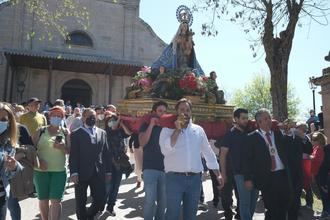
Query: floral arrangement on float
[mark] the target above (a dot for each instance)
(193, 85)
(178, 84)
(142, 79)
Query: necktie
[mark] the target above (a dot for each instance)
(91, 130)
(272, 151)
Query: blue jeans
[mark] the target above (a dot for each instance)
(185, 189)
(14, 208)
(155, 191)
(112, 187)
(247, 198)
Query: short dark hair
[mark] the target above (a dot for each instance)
(183, 100)
(211, 73)
(157, 104)
(239, 111)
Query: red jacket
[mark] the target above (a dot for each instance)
(317, 159)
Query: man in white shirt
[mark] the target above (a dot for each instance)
(182, 148)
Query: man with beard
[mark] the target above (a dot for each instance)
(232, 151)
(182, 148)
(153, 165)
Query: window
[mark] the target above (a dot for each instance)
(79, 39)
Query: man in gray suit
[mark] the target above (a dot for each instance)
(90, 165)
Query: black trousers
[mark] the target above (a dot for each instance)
(97, 188)
(276, 196)
(227, 197)
(3, 208)
(295, 202)
(215, 185)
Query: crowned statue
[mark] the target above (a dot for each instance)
(176, 73)
(180, 53)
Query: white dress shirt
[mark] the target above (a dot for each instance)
(279, 164)
(185, 155)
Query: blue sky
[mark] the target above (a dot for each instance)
(229, 54)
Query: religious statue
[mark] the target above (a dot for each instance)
(184, 46)
(161, 85)
(180, 53)
(214, 89)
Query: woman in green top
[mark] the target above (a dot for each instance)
(50, 175)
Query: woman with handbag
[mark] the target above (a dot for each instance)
(52, 143)
(117, 131)
(8, 164)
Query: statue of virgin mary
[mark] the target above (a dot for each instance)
(180, 53)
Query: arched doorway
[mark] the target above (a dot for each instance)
(77, 90)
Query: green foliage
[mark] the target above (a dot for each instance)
(51, 14)
(256, 95)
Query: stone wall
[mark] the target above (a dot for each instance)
(115, 29)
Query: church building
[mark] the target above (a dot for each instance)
(92, 66)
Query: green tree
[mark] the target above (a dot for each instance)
(256, 95)
(51, 15)
(274, 23)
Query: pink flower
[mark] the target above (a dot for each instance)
(145, 82)
(146, 69)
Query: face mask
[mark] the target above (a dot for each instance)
(19, 114)
(111, 123)
(90, 121)
(3, 126)
(55, 121)
(100, 117)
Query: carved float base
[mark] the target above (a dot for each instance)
(201, 111)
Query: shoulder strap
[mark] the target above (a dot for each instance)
(64, 131)
(41, 131)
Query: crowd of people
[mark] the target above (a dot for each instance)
(42, 149)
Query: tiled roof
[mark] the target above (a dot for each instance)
(64, 55)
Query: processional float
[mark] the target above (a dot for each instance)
(174, 75)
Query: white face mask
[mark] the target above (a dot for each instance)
(111, 123)
(19, 114)
(3, 126)
(100, 117)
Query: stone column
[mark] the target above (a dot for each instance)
(130, 17)
(324, 82)
(325, 92)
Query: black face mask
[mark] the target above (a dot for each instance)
(90, 121)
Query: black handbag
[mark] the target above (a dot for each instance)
(124, 165)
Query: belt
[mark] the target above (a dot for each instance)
(279, 172)
(185, 173)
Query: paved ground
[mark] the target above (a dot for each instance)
(130, 204)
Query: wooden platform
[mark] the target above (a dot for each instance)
(201, 111)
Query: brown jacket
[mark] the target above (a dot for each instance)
(22, 184)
